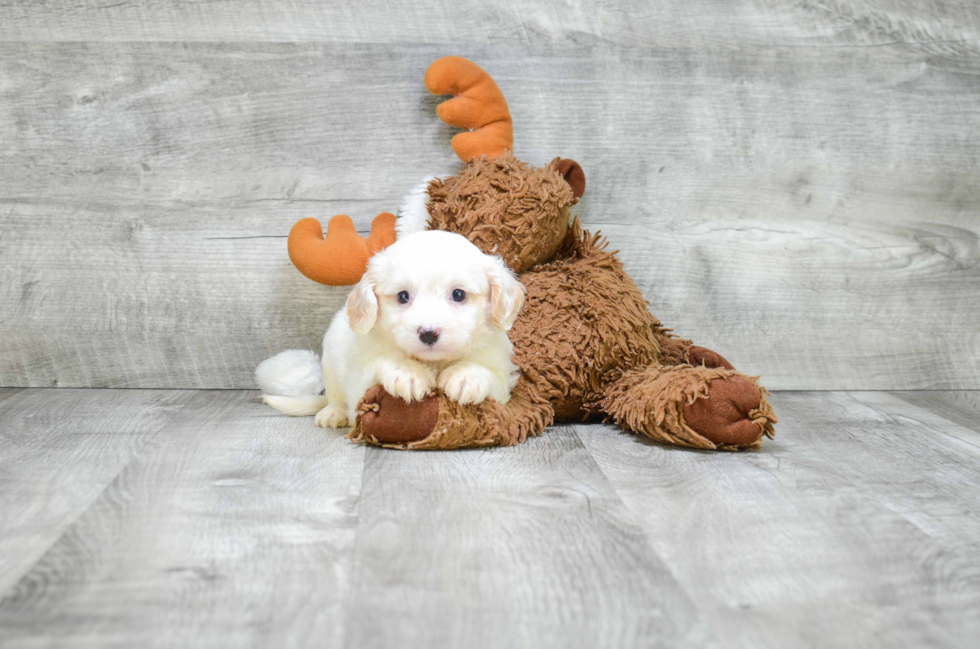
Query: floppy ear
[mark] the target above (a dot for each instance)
(506, 294)
(362, 305)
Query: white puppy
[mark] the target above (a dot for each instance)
(430, 310)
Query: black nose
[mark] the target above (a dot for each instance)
(428, 336)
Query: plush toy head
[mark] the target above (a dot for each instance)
(504, 206)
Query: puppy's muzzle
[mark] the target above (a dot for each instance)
(429, 336)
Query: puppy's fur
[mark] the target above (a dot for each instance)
(404, 327)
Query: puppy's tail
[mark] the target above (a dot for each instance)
(296, 406)
(291, 382)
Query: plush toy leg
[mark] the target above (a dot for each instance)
(438, 423)
(680, 351)
(702, 407)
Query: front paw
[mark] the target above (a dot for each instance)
(409, 384)
(466, 384)
(331, 417)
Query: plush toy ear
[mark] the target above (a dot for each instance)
(506, 294)
(478, 105)
(340, 258)
(362, 305)
(572, 172)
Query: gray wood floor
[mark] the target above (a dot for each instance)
(137, 518)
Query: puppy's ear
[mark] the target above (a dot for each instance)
(362, 305)
(506, 294)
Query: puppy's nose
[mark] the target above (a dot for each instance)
(429, 336)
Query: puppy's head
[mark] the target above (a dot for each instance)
(435, 295)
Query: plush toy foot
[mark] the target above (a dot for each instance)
(437, 422)
(688, 405)
(704, 356)
(386, 419)
(730, 414)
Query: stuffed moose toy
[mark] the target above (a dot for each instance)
(585, 342)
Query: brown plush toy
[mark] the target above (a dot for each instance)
(585, 341)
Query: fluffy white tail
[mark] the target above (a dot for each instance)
(296, 406)
(291, 382)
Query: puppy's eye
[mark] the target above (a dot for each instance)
(403, 297)
(459, 295)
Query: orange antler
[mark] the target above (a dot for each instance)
(340, 258)
(478, 105)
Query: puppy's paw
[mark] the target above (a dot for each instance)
(409, 384)
(332, 417)
(466, 383)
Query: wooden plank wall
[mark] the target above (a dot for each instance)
(794, 184)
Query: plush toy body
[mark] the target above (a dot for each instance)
(585, 341)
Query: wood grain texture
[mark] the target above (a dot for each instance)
(58, 450)
(794, 186)
(519, 547)
(232, 527)
(962, 407)
(857, 526)
(946, 23)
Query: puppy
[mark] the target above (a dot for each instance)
(431, 310)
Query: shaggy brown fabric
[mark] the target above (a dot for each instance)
(650, 401)
(673, 350)
(582, 306)
(585, 340)
(660, 402)
(505, 207)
